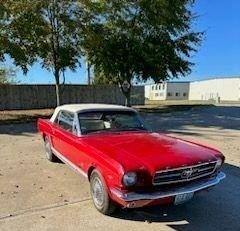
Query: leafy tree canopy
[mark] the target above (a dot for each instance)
(46, 31)
(7, 76)
(144, 39)
(101, 79)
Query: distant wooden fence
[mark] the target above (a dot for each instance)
(43, 96)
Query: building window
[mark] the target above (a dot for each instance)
(156, 94)
(177, 94)
(152, 87)
(163, 86)
(161, 94)
(156, 87)
(184, 94)
(169, 94)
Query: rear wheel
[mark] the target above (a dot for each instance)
(99, 193)
(48, 149)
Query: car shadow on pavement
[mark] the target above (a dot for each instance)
(215, 209)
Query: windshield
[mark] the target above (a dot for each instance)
(100, 121)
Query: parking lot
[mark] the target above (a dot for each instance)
(38, 195)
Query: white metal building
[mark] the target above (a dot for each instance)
(167, 91)
(222, 89)
(218, 89)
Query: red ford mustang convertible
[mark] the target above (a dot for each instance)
(126, 164)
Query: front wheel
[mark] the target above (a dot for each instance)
(99, 193)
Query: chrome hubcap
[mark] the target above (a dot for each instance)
(97, 192)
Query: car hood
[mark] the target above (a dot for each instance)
(153, 151)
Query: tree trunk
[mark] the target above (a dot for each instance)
(89, 73)
(57, 87)
(57, 94)
(128, 98)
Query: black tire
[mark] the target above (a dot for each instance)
(49, 154)
(99, 193)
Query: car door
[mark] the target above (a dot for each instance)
(63, 140)
(67, 142)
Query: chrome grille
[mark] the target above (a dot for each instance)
(184, 174)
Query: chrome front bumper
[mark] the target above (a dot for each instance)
(189, 188)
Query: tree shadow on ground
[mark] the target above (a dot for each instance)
(215, 209)
(25, 129)
(220, 117)
(177, 120)
(24, 116)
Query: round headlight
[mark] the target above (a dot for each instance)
(219, 163)
(130, 179)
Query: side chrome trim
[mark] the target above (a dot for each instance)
(69, 163)
(190, 188)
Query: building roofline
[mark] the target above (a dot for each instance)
(201, 80)
(179, 82)
(167, 82)
(216, 78)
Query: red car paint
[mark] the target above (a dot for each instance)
(116, 153)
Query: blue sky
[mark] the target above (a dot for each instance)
(219, 55)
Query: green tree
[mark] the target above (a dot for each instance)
(144, 39)
(7, 76)
(101, 79)
(46, 31)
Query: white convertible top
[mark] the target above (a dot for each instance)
(76, 108)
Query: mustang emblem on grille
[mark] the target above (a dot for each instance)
(186, 173)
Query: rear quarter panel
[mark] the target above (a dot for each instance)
(44, 127)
